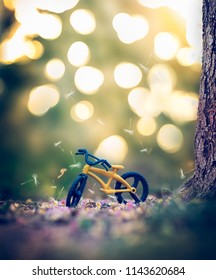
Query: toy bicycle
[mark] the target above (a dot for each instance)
(123, 186)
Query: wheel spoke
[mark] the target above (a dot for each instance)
(136, 181)
(135, 197)
(76, 191)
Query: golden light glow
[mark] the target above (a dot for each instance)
(152, 3)
(191, 12)
(130, 28)
(161, 79)
(83, 21)
(170, 138)
(179, 6)
(56, 6)
(114, 149)
(143, 103)
(78, 53)
(166, 45)
(42, 98)
(13, 49)
(82, 111)
(120, 20)
(182, 106)
(182, 7)
(54, 69)
(49, 27)
(127, 75)
(26, 12)
(33, 22)
(34, 49)
(137, 99)
(9, 4)
(194, 27)
(146, 126)
(187, 56)
(88, 79)
(17, 48)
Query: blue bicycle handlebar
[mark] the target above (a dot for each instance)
(81, 152)
(103, 162)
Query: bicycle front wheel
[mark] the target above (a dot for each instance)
(75, 192)
(136, 181)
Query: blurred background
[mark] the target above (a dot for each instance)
(119, 78)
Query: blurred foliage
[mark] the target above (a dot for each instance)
(28, 141)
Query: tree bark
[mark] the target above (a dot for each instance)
(203, 182)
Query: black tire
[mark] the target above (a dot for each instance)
(75, 192)
(137, 181)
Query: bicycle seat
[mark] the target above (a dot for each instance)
(117, 166)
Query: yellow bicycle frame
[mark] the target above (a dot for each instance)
(112, 175)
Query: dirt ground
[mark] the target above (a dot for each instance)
(156, 229)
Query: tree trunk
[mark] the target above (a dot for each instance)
(203, 183)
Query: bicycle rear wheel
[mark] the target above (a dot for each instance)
(76, 190)
(137, 181)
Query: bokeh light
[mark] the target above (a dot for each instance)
(49, 27)
(114, 148)
(170, 138)
(130, 28)
(83, 21)
(88, 79)
(24, 49)
(82, 111)
(78, 54)
(9, 4)
(27, 15)
(137, 99)
(56, 6)
(161, 79)
(9, 54)
(191, 12)
(194, 31)
(179, 6)
(146, 126)
(118, 72)
(54, 69)
(33, 22)
(187, 56)
(127, 75)
(43, 98)
(152, 3)
(166, 45)
(34, 49)
(143, 102)
(182, 106)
